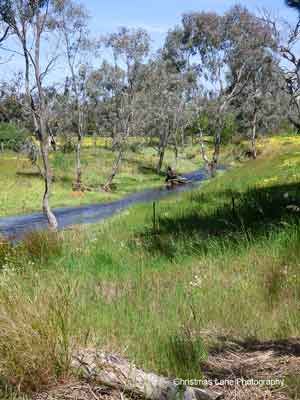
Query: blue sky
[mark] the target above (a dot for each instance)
(157, 16)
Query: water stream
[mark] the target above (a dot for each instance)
(15, 227)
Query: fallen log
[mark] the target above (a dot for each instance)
(176, 181)
(117, 373)
(79, 187)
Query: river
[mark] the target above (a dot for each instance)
(15, 227)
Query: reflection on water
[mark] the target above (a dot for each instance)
(15, 227)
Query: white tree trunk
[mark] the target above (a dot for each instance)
(203, 151)
(253, 135)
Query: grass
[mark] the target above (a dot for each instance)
(34, 343)
(224, 261)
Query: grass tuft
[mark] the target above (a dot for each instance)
(42, 245)
(35, 334)
(185, 353)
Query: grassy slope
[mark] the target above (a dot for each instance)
(163, 297)
(22, 188)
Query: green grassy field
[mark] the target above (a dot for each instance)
(222, 261)
(22, 187)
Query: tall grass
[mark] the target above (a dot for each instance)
(42, 245)
(36, 336)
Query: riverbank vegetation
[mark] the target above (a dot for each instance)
(22, 184)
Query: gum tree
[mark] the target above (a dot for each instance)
(130, 48)
(105, 87)
(222, 47)
(31, 23)
(72, 24)
(262, 105)
(166, 107)
(289, 39)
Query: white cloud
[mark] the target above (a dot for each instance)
(151, 28)
(154, 28)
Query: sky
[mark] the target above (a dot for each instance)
(156, 16)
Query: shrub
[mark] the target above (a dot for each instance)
(190, 155)
(61, 162)
(159, 243)
(12, 137)
(135, 147)
(229, 128)
(67, 144)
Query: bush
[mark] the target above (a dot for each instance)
(12, 137)
(206, 122)
(190, 155)
(229, 128)
(135, 147)
(61, 162)
(67, 144)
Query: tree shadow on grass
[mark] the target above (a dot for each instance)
(280, 347)
(64, 179)
(36, 174)
(149, 170)
(29, 174)
(144, 167)
(243, 216)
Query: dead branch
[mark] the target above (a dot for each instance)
(117, 373)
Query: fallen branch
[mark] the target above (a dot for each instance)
(117, 373)
(79, 187)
